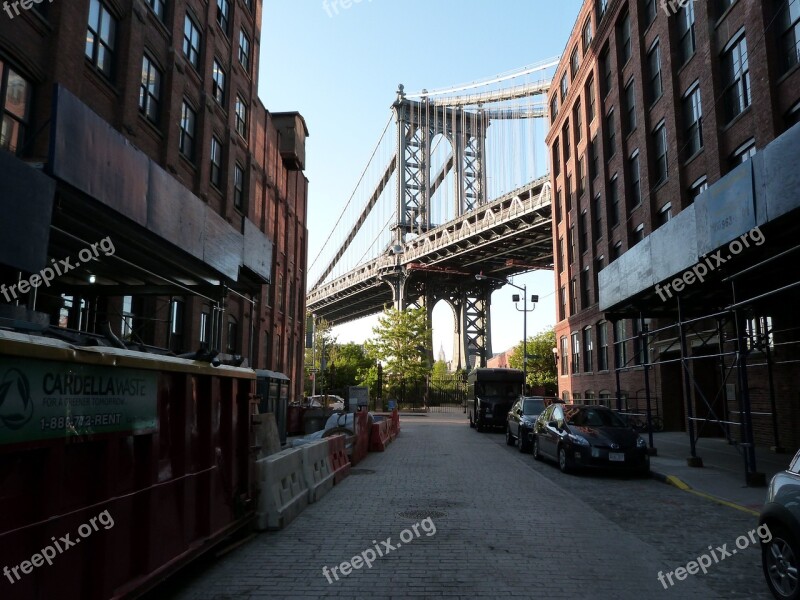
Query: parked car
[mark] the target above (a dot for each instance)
(780, 553)
(521, 417)
(588, 436)
(490, 395)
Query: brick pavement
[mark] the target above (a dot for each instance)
(506, 526)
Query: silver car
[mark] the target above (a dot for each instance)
(780, 554)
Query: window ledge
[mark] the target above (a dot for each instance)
(693, 156)
(736, 119)
(788, 74)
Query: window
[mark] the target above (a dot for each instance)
(176, 325)
(281, 301)
(560, 254)
(158, 7)
(602, 5)
(583, 233)
(598, 218)
(649, 12)
(587, 351)
(638, 234)
(630, 107)
(187, 128)
(693, 121)
(613, 202)
(736, 78)
(564, 356)
(792, 117)
(636, 183)
(556, 158)
(624, 29)
(697, 188)
(581, 177)
(602, 344)
(616, 251)
(233, 331)
(686, 39)
(558, 206)
(586, 292)
(126, 328)
(191, 41)
(789, 36)
(216, 161)
(565, 138)
(218, 83)
(568, 191)
(605, 66)
(241, 117)
(223, 14)
(238, 186)
(149, 90)
(244, 50)
(15, 93)
(578, 120)
(101, 37)
(620, 350)
(723, 6)
(639, 343)
(562, 303)
(660, 146)
(571, 244)
(655, 88)
(553, 108)
(759, 333)
(593, 158)
(564, 87)
(611, 135)
(598, 266)
(576, 353)
(573, 296)
(574, 62)
(590, 99)
(587, 34)
(743, 153)
(664, 214)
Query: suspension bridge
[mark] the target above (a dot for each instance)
(456, 186)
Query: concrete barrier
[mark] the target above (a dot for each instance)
(380, 436)
(317, 469)
(340, 463)
(283, 490)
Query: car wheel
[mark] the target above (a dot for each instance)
(536, 454)
(523, 447)
(471, 422)
(509, 438)
(478, 425)
(780, 557)
(563, 463)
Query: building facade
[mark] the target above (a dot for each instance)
(139, 121)
(652, 104)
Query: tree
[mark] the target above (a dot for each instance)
(319, 356)
(402, 343)
(352, 365)
(541, 364)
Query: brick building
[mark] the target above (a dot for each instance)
(140, 121)
(655, 114)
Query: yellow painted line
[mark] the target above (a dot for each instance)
(681, 485)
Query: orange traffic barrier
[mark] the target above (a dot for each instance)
(361, 444)
(340, 464)
(381, 436)
(395, 423)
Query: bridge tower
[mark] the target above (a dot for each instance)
(418, 123)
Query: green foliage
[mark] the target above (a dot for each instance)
(440, 369)
(541, 365)
(402, 343)
(349, 364)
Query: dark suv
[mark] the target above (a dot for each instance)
(780, 554)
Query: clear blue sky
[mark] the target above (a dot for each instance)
(341, 72)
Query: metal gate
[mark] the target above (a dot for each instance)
(447, 393)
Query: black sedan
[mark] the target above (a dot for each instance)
(588, 436)
(779, 530)
(521, 417)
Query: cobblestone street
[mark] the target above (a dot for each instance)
(505, 526)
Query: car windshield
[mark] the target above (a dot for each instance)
(532, 407)
(593, 417)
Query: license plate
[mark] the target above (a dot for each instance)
(595, 453)
(616, 456)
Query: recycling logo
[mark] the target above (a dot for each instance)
(16, 406)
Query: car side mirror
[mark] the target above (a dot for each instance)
(553, 424)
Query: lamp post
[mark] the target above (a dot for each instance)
(524, 311)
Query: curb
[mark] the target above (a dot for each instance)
(682, 485)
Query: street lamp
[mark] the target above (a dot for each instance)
(524, 310)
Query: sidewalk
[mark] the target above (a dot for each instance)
(722, 475)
